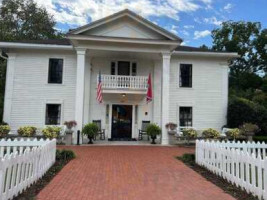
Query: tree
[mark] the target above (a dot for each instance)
(245, 38)
(23, 20)
(204, 47)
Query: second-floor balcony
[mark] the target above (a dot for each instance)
(124, 83)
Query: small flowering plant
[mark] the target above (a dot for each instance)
(189, 133)
(171, 126)
(70, 124)
(233, 133)
(27, 131)
(4, 130)
(51, 132)
(211, 133)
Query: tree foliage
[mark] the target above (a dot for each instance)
(23, 20)
(245, 38)
(241, 111)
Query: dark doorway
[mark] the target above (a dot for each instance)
(121, 122)
(124, 68)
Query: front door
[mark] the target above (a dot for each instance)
(121, 122)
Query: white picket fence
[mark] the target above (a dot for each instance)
(23, 162)
(243, 164)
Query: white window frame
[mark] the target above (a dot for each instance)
(63, 70)
(123, 60)
(55, 101)
(179, 69)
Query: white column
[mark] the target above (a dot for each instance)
(165, 96)
(87, 88)
(79, 100)
(9, 87)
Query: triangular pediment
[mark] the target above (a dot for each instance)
(125, 24)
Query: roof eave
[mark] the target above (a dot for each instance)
(10, 45)
(209, 54)
(123, 40)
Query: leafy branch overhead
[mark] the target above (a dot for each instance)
(25, 20)
(246, 38)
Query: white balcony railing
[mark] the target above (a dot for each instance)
(124, 82)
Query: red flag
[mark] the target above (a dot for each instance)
(149, 90)
(99, 89)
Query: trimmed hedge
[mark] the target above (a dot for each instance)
(241, 111)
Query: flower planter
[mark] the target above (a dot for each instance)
(90, 140)
(153, 139)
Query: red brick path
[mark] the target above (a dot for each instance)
(129, 173)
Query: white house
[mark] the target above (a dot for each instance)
(52, 81)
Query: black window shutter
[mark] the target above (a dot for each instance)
(113, 68)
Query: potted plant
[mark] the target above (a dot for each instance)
(4, 130)
(171, 128)
(27, 131)
(189, 134)
(153, 130)
(69, 126)
(211, 133)
(90, 130)
(233, 133)
(249, 130)
(51, 132)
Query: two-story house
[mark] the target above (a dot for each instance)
(52, 81)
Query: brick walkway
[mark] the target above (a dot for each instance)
(129, 173)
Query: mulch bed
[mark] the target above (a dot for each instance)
(32, 192)
(229, 188)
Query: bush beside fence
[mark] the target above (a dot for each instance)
(242, 164)
(22, 163)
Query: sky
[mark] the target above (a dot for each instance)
(192, 20)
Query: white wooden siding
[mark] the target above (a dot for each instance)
(208, 95)
(31, 91)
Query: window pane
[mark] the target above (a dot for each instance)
(134, 69)
(53, 112)
(55, 70)
(185, 116)
(185, 75)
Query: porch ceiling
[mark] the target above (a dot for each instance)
(120, 98)
(124, 54)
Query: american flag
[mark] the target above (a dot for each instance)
(99, 90)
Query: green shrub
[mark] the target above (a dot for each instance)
(4, 130)
(190, 133)
(211, 133)
(90, 130)
(233, 133)
(27, 131)
(51, 132)
(188, 158)
(153, 130)
(242, 111)
(65, 155)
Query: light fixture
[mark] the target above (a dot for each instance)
(123, 95)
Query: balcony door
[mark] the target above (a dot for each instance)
(124, 68)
